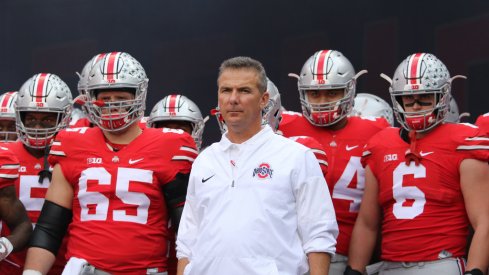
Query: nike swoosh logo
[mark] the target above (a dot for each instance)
(204, 180)
(425, 153)
(348, 148)
(135, 161)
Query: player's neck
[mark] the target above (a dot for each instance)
(37, 153)
(338, 125)
(125, 136)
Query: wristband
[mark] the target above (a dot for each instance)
(350, 271)
(474, 271)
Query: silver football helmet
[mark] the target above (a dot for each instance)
(7, 113)
(180, 108)
(83, 79)
(326, 70)
(42, 93)
(369, 105)
(272, 113)
(421, 73)
(116, 70)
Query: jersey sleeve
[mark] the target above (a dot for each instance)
(60, 150)
(472, 143)
(483, 123)
(182, 152)
(9, 168)
(316, 148)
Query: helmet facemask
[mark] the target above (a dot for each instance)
(329, 113)
(116, 116)
(39, 138)
(422, 120)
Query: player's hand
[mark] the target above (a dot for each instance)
(5, 248)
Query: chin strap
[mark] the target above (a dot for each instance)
(45, 172)
(411, 153)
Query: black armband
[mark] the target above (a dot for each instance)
(176, 190)
(474, 271)
(51, 227)
(175, 193)
(350, 271)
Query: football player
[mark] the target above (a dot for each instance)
(12, 212)
(370, 105)
(43, 107)
(327, 89)
(425, 182)
(116, 183)
(178, 112)
(7, 117)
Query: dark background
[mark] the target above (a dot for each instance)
(181, 43)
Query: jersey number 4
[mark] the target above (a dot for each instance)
(343, 189)
(101, 202)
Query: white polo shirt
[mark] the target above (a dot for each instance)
(256, 208)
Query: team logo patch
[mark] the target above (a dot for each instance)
(263, 171)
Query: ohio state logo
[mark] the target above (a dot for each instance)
(263, 171)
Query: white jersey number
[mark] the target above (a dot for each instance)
(100, 203)
(403, 193)
(342, 190)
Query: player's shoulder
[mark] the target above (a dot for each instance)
(77, 133)
(456, 132)
(289, 117)
(369, 123)
(165, 135)
(308, 141)
(385, 137)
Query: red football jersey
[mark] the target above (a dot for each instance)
(120, 218)
(317, 149)
(31, 193)
(483, 123)
(85, 122)
(9, 167)
(346, 176)
(423, 207)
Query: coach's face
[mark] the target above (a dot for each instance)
(240, 100)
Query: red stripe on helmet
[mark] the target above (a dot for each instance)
(111, 62)
(414, 68)
(41, 79)
(320, 68)
(6, 99)
(172, 104)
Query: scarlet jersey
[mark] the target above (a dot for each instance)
(423, 207)
(31, 193)
(317, 149)
(85, 122)
(120, 217)
(346, 176)
(9, 167)
(483, 123)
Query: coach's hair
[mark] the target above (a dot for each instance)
(244, 62)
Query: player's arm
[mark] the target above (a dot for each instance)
(474, 180)
(364, 233)
(175, 193)
(52, 224)
(12, 212)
